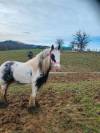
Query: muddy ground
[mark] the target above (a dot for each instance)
(50, 116)
(17, 118)
(73, 77)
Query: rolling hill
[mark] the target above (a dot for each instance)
(13, 45)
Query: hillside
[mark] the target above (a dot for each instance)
(13, 45)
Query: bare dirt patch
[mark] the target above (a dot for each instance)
(47, 118)
(74, 77)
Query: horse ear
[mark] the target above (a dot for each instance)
(52, 47)
(59, 47)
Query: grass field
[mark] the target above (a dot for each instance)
(70, 61)
(19, 55)
(81, 62)
(69, 103)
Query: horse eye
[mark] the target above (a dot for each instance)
(53, 57)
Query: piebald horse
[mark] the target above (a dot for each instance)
(34, 71)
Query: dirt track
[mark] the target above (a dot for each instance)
(16, 118)
(73, 76)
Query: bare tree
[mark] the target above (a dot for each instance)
(60, 42)
(80, 41)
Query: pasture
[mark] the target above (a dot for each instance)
(69, 103)
(70, 61)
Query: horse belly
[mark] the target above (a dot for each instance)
(23, 74)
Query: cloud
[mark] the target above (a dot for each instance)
(42, 21)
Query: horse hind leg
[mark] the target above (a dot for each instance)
(3, 93)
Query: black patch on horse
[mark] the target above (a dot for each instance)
(42, 79)
(53, 57)
(8, 74)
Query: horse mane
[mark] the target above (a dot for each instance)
(44, 63)
(41, 61)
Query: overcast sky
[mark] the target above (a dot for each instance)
(43, 21)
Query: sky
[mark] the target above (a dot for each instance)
(44, 21)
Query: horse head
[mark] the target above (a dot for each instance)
(55, 57)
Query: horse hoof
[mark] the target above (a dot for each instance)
(37, 104)
(32, 109)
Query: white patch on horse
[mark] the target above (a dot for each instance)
(22, 73)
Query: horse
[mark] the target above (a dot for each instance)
(34, 71)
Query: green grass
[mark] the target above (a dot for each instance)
(18, 55)
(70, 61)
(81, 62)
(80, 111)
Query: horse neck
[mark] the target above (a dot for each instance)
(45, 65)
(41, 62)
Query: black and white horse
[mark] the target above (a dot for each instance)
(34, 71)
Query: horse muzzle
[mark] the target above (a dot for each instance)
(56, 67)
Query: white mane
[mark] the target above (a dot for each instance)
(43, 54)
(44, 60)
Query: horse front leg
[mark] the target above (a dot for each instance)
(3, 93)
(32, 100)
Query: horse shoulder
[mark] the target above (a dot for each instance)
(33, 63)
